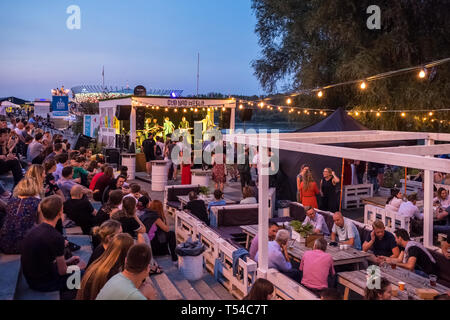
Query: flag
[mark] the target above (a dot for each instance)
(103, 71)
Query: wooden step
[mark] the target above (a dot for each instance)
(9, 275)
(219, 289)
(187, 290)
(205, 291)
(23, 292)
(168, 289)
(85, 243)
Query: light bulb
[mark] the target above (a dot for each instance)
(320, 94)
(289, 101)
(422, 74)
(363, 85)
(403, 114)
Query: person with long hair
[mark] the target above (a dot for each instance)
(129, 220)
(309, 190)
(161, 237)
(37, 172)
(105, 212)
(383, 293)
(261, 290)
(395, 200)
(329, 200)
(50, 186)
(21, 215)
(105, 233)
(219, 171)
(110, 263)
(442, 198)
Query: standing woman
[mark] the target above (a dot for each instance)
(219, 173)
(309, 190)
(186, 176)
(328, 190)
(300, 175)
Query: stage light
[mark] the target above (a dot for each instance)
(173, 94)
(261, 104)
(320, 94)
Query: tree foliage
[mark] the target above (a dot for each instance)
(312, 43)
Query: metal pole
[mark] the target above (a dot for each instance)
(198, 72)
(428, 204)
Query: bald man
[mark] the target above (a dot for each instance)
(346, 231)
(79, 209)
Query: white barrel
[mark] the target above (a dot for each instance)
(129, 160)
(159, 175)
(201, 177)
(191, 267)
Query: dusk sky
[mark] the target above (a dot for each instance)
(148, 42)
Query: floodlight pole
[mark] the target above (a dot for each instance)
(428, 203)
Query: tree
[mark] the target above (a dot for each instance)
(312, 43)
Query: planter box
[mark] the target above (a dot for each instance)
(201, 177)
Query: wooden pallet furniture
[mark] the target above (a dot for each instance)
(353, 194)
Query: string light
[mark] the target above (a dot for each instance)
(430, 114)
(356, 113)
(320, 94)
(224, 109)
(363, 85)
(403, 114)
(422, 74)
(184, 110)
(240, 107)
(175, 110)
(378, 114)
(167, 109)
(289, 101)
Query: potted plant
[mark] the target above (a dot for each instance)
(204, 190)
(303, 230)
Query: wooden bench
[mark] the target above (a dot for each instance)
(186, 226)
(288, 289)
(171, 203)
(352, 197)
(210, 240)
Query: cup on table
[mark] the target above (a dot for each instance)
(393, 266)
(433, 280)
(401, 286)
(346, 246)
(342, 247)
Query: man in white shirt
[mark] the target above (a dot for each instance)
(317, 220)
(346, 231)
(133, 283)
(409, 208)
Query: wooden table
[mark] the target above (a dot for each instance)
(357, 282)
(185, 199)
(376, 201)
(297, 249)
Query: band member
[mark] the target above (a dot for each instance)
(184, 124)
(168, 127)
(207, 123)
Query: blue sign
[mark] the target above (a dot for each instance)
(87, 125)
(60, 106)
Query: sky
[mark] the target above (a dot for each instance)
(140, 42)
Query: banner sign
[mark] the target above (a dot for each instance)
(60, 106)
(91, 125)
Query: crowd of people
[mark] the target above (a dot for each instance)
(55, 187)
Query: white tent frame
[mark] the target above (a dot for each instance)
(419, 157)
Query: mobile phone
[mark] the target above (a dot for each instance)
(333, 244)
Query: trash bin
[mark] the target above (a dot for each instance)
(190, 259)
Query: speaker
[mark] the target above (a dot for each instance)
(246, 115)
(112, 155)
(123, 112)
(83, 141)
(140, 118)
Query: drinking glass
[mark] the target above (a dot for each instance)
(433, 279)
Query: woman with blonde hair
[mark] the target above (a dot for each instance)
(309, 190)
(21, 215)
(329, 201)
(105, 233)
(37, 172)
(109, 264)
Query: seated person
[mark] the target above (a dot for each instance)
(79, 171)
(445, 246)
(135, 190)
(442, 198)
(65, 183)
(413, 256)
(278, 255)
(261, 290)
(197, 207)
(131, 224)
(43, 262)
(384, 292)
(395, 200)
(249, 197)
(346, 231)
(381, 242)
(443, 215)
(317, 220)
(105, 233)
(79, 209)
(218, 201)
(317, 265)
(8, 161)
(409, 208)
(133, 283)
(273, 229)
(115, 184)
